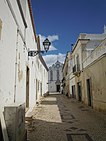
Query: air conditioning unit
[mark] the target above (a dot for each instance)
(14, 116)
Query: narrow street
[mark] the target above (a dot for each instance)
(58, 118)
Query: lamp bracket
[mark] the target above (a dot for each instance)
(34, 53)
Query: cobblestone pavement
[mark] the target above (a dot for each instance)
(58, 118)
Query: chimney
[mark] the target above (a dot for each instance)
(104, 29)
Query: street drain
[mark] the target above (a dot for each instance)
(78, 137)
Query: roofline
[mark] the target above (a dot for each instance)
(65, 60)
(43, 62)
(37, 39)
(55, 63)
(32, 18)
(77, 43)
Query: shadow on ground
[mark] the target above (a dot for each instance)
(39, 130)
(78, 122)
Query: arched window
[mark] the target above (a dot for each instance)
(58, 74)
(51, 75)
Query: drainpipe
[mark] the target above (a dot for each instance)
(23, 39)
(16, 67)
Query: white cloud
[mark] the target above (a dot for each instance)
(51, 39)
(52, 58)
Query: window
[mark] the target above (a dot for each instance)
(51, 75)
(0, 28)
(57, 65)
(77, 63)
(57, 74)
(38, 85)
(77, 59)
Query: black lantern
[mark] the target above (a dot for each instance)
(46, 45)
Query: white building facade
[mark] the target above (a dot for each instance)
(68, 77)
(94, 78)
(55, 77)
(87, 74)
(21, 78)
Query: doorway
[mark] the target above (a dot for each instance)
(58, 88)
(36, 89)
(41, 89)
(73, 91)
(27, 87)
(79, 91)
(88, 81)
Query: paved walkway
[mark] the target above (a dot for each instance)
(58, 118)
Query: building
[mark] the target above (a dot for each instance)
(94, 78)
(68, 77)
(67, 69)
(55, 77)
(86, 76)
(22, 78)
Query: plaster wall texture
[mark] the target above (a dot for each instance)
(12, 113)
(96, 72)
(77, 52)
(31, 44)
(52, 86)
(98, 51)
(15, 42)
(71, 82)
(7, 55)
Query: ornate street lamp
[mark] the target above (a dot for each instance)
(46, 45)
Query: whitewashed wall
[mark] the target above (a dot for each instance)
(7, 54)
(31, 45)
(15, 42)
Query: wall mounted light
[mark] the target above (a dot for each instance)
(46, 45)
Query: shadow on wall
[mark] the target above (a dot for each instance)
(1, 135)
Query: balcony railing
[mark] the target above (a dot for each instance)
(76, 69)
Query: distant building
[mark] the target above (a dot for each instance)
(55, 77)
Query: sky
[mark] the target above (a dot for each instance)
(61, 21)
